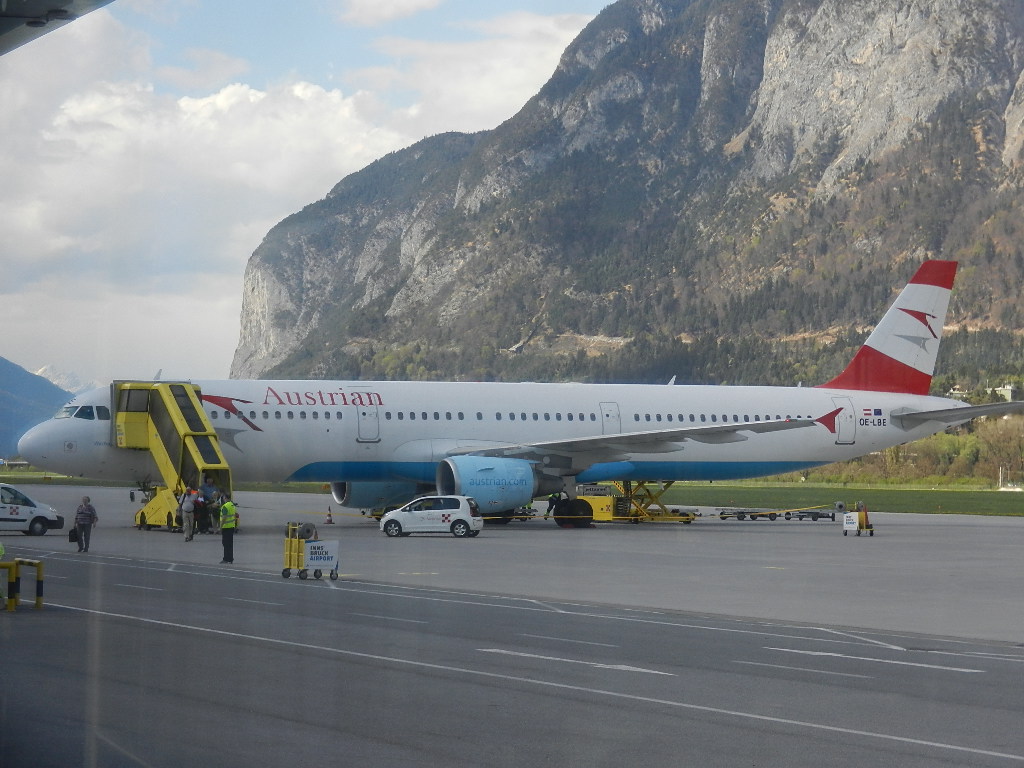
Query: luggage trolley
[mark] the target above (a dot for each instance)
(858, 521)
(302, 547)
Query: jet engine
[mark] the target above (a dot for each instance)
(497, 484)
(376, 495)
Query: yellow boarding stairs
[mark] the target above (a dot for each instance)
(167, 420)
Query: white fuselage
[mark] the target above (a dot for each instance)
(331, 431)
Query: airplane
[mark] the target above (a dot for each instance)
(27, 20)
(379, 443)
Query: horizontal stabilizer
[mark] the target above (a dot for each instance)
(957, 415)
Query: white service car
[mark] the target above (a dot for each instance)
(19, 513)
(458, 515)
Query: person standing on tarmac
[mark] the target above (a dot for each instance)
(85, 519)
(208, 494)
(228, 523)
(188, 516)
(552, 502)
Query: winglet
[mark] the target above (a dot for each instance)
(900, 354)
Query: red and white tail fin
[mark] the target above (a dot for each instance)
(899, 355)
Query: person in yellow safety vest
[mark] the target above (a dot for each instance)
(228, 523)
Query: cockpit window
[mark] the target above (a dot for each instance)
(102, 412)
(85, 412)
(66, 412)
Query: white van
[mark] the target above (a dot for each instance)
(19, 513)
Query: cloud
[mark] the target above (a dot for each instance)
(370, 13)
(122, 197)
(128, 214)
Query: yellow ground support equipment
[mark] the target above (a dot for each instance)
(296, 543)
(167, 419)
(858, 521)
(636, 501)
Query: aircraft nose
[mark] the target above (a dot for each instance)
(35, 446)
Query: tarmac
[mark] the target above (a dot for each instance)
(957, 576)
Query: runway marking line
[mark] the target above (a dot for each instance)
(599, 665)
(877, 661)
(388, 618)
(569, 640)
(802, 669)
(562, 686)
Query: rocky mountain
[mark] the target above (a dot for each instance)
(699, 182)
(25, 400)
(67, 380)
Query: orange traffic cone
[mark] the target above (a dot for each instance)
(329, 520)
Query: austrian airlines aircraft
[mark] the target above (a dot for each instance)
(381, 442)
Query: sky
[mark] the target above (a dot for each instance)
(148, 147)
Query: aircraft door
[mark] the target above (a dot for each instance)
(368, 424)
(846, 421)
(610, 423)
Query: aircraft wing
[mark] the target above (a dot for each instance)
(618, 446)
(958, 415)
(25, 20)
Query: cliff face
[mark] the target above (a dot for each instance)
(692, 166)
